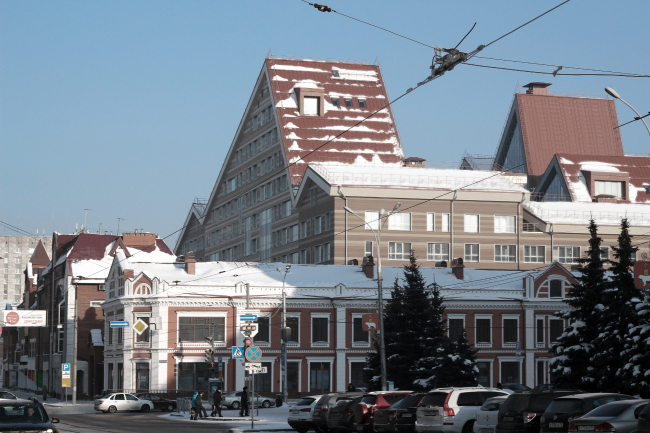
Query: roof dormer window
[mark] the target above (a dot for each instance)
(335, 73)
(348, 102)
(311, 105)
(336, 102)
(362, 103)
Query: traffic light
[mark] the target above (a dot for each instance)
(248, 342)
(208, 340)
(209, 356)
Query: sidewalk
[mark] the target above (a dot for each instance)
(269, 420)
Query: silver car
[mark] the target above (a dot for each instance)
(232, 400)
(619, 416)
(488, 415)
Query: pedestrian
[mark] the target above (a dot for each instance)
(44, 390)
(199, 406)
(244, 402)
(194, 411)
(352, 388)
(217, 398)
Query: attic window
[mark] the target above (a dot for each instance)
(337, 103)
(609, 188)
(647, 188)
(348, 102)
(311, 106)
(335, 73)
(362, 103)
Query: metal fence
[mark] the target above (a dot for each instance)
(183, 404)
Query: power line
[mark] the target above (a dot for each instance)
(554, 66)
(559, 73)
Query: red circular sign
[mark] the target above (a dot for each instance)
(12, 318)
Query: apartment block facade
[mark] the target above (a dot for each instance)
(15, 253)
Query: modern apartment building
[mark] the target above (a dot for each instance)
(15, 253)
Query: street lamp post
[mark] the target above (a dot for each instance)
(611, 92)
(380, 297)
(283, 333)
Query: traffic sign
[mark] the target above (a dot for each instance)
(66, 377)
(248, 317)
(140, 326)
(249, 312)
(369, 322)
(253, 354)
(518, 348)
(248, 329)
(237, 352)
(65, 367)
(119, 324)
(642, 275)
(255, 367)
(219, 359)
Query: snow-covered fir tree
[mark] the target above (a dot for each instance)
(572, 365)
(618, 316)
(636, 372)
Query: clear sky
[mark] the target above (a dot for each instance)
(128, 107)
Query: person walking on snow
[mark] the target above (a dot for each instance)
(244, 402)
(199, 406)
(194, 414)
(216, 402)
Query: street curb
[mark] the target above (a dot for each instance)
(237, 430)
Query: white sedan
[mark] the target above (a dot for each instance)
(120, 401)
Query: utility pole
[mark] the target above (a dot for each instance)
(74, 352)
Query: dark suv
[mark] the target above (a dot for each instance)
(322, 408)
(643, 421)
(364, 413)
(341, 416)
(521, 412)
(564, 409)
(405, 416)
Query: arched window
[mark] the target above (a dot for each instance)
(142, 289)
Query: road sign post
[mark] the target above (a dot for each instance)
(66, 377)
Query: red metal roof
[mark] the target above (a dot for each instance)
(374, 141)
(40, 259)
(553, 124)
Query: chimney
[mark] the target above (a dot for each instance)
(458, 269)
(128, 273)
(190, 264)
(537, 88)
(369, 267)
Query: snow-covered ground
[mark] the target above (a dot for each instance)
(271, 419)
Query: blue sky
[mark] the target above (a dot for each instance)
(128, 107)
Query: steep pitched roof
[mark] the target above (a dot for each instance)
(376, 140)
(40, 258)
(551, 124)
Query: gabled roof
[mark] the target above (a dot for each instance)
(552, 124)
(374, 141)
(40, 258)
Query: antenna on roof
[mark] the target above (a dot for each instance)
(85, 216)
(270, 53)
(376, 62)
(118, 225)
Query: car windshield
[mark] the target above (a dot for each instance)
(608, 410)
(21, 413)
(434, 399)
(305, 402)
(369, 399)
(565, 405)
(515, 403)
(107, 396)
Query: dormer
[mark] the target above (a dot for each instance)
(606, 186)
(311, 100)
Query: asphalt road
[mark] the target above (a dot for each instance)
(135, 422)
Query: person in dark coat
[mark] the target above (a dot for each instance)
(194, 412)
(244, 402)
(352, 388)
(200, 410)
(217, 400)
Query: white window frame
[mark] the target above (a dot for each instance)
(536, 253)
(556, 257)
(397, 221)
(456, 317)
(372, 219)
(318, 225)
(607, 254)
(541, 344)
(310, 107)
(509, 246)
(548, 327)
(503, 329)
(504, 228)
(311, 333)
(202, 344)
(431, 222)
(358, 343)
(310, 359)
(465, 253)
(503, 359)
(562, 286)
(394, 256)
(432, 257)
(327, 251)
(469, 224)
(446, 222)
(476, 343)
(318, 254)
(372, 248)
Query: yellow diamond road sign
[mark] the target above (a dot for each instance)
(140, 326)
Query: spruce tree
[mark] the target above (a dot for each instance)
(636, 373)
(461, 369)
(618, 315)
(573, 351)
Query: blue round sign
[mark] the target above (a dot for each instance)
(253, 354)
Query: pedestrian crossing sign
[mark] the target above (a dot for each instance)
(238, 352)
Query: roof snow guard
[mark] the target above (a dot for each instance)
(349, 92)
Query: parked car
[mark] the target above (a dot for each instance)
(159, 403)
(341, 416)
(364, 412)
(301, 414)
(405, 416)
(232, 400)
(521, 412)
(487, 415)
(643, 423)
(6, 395)
(384, 419)
(24, 415)
(121, 401)
(321, 410)
(620, 417)
(452, 409)
(515, 386)
(564, 409)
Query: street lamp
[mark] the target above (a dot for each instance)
(283, 333)
(346, 223)
(380, 297)
(611, 92)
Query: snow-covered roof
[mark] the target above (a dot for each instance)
(581, 213)
(415, 178)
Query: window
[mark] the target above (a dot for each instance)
(348, 102)
(541, 370)
(471, 224)
(335, 73)
(566, 254)
(313, 197)
(196, 329)
(368, 249)
(303, 229)
(318, 253)
(437, 252)
(483, 331)
(471, 252)
(510, 372)
(399, 250)
(609, 188)
(534, 253)
(326, 252)
(318, 224)
(555, 288)
(263, 380)
(294, 324)
(335, 100)
(372, 220)
(319, 377)
(604, 254)
(505, 253)
(445, 222)
(510, 328)
(141, 377)
(456, 329)
(399, 221)
(263, 328)
(358, 334)
(319, 330)
(293, 233)
(328, 222)
(555, 329)
(539, 331)
(19, 260)
(356, 374)
(505, 224)
(484, 369)
(311, 106)
(431, 219)
(362, 103)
